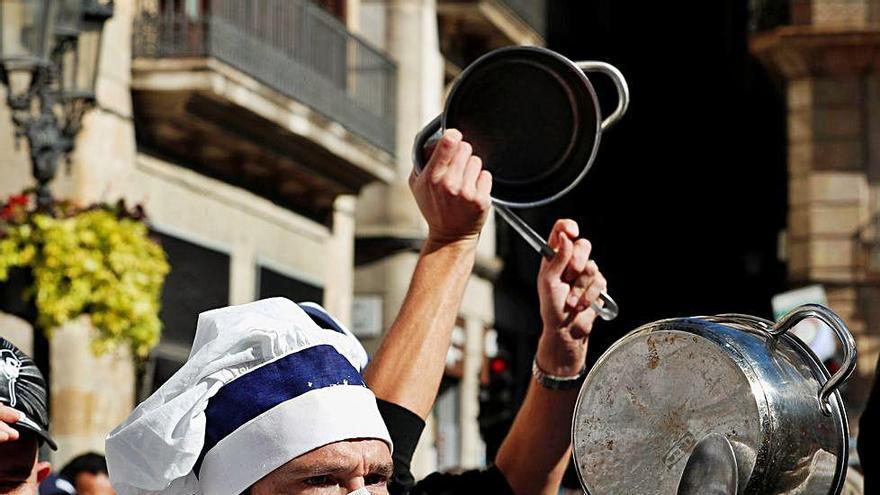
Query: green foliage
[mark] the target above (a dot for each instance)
(98, 261)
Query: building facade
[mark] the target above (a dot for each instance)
(826, 54)
(269, 144)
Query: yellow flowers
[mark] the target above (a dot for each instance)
(95, 262)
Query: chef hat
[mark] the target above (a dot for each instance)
(263, 385)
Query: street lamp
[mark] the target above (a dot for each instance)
(49, 55)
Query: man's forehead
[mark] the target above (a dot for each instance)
(345, 452)
(341, 457)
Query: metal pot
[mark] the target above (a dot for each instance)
(533, 117)
(665, 386)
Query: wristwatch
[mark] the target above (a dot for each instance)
(553, 382)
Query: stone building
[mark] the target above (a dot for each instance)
(826, 54)
(269, 142)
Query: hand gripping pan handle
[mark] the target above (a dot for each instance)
(607, 312)
(427, 138)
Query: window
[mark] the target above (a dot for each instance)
(198, 281)
(276, 284)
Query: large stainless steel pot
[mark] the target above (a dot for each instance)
(665, 386)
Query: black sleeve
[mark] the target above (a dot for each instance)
(489, 481)
(405, 428)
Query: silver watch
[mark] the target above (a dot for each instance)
(553, 382)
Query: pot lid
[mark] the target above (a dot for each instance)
(649, 400)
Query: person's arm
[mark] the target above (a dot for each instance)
(8, 416)
(534, 455)
(452, 193)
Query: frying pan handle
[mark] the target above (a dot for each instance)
(607, 312)
(424, 143)
(831, 319)
(619, 83)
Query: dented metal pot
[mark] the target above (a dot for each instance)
(665, 386)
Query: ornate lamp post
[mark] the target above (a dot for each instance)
(49, 55)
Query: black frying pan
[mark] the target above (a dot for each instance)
(533, 117)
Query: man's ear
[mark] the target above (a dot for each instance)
(43, 469)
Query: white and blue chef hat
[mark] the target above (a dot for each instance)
(265, 382)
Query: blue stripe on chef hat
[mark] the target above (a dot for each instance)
(252, 394)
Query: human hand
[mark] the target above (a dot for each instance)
(568, 285)
(452, 191)
(8, 416)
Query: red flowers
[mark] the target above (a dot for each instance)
(16, 205)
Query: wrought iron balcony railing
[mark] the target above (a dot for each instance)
(292, 46)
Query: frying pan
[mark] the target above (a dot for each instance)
(533, 117)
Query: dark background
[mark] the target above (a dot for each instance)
(688, 193)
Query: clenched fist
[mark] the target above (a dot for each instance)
(452, 191)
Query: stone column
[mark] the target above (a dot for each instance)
(411, 40)
(828, 195)
(105, 147)
(472, 450)
(339, 278)
(91, 394)
(389, 212)
(242, 272)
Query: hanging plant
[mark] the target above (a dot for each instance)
(99, 261)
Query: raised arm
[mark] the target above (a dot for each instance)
(535, 453)
(453, 195)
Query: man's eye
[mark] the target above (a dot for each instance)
(320, 481)
(375, 479)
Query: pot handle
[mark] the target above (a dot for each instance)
(831, 319)
(424, 143)
(619, 83)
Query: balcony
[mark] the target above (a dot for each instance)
(481, 25)
(765, 15)
(802, 38)
(273, 95)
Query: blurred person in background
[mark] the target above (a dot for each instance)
(56, 485)
(24, 422)
(88, 474)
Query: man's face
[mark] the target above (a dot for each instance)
(93, 484)
(335, 469)
(20, 473)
